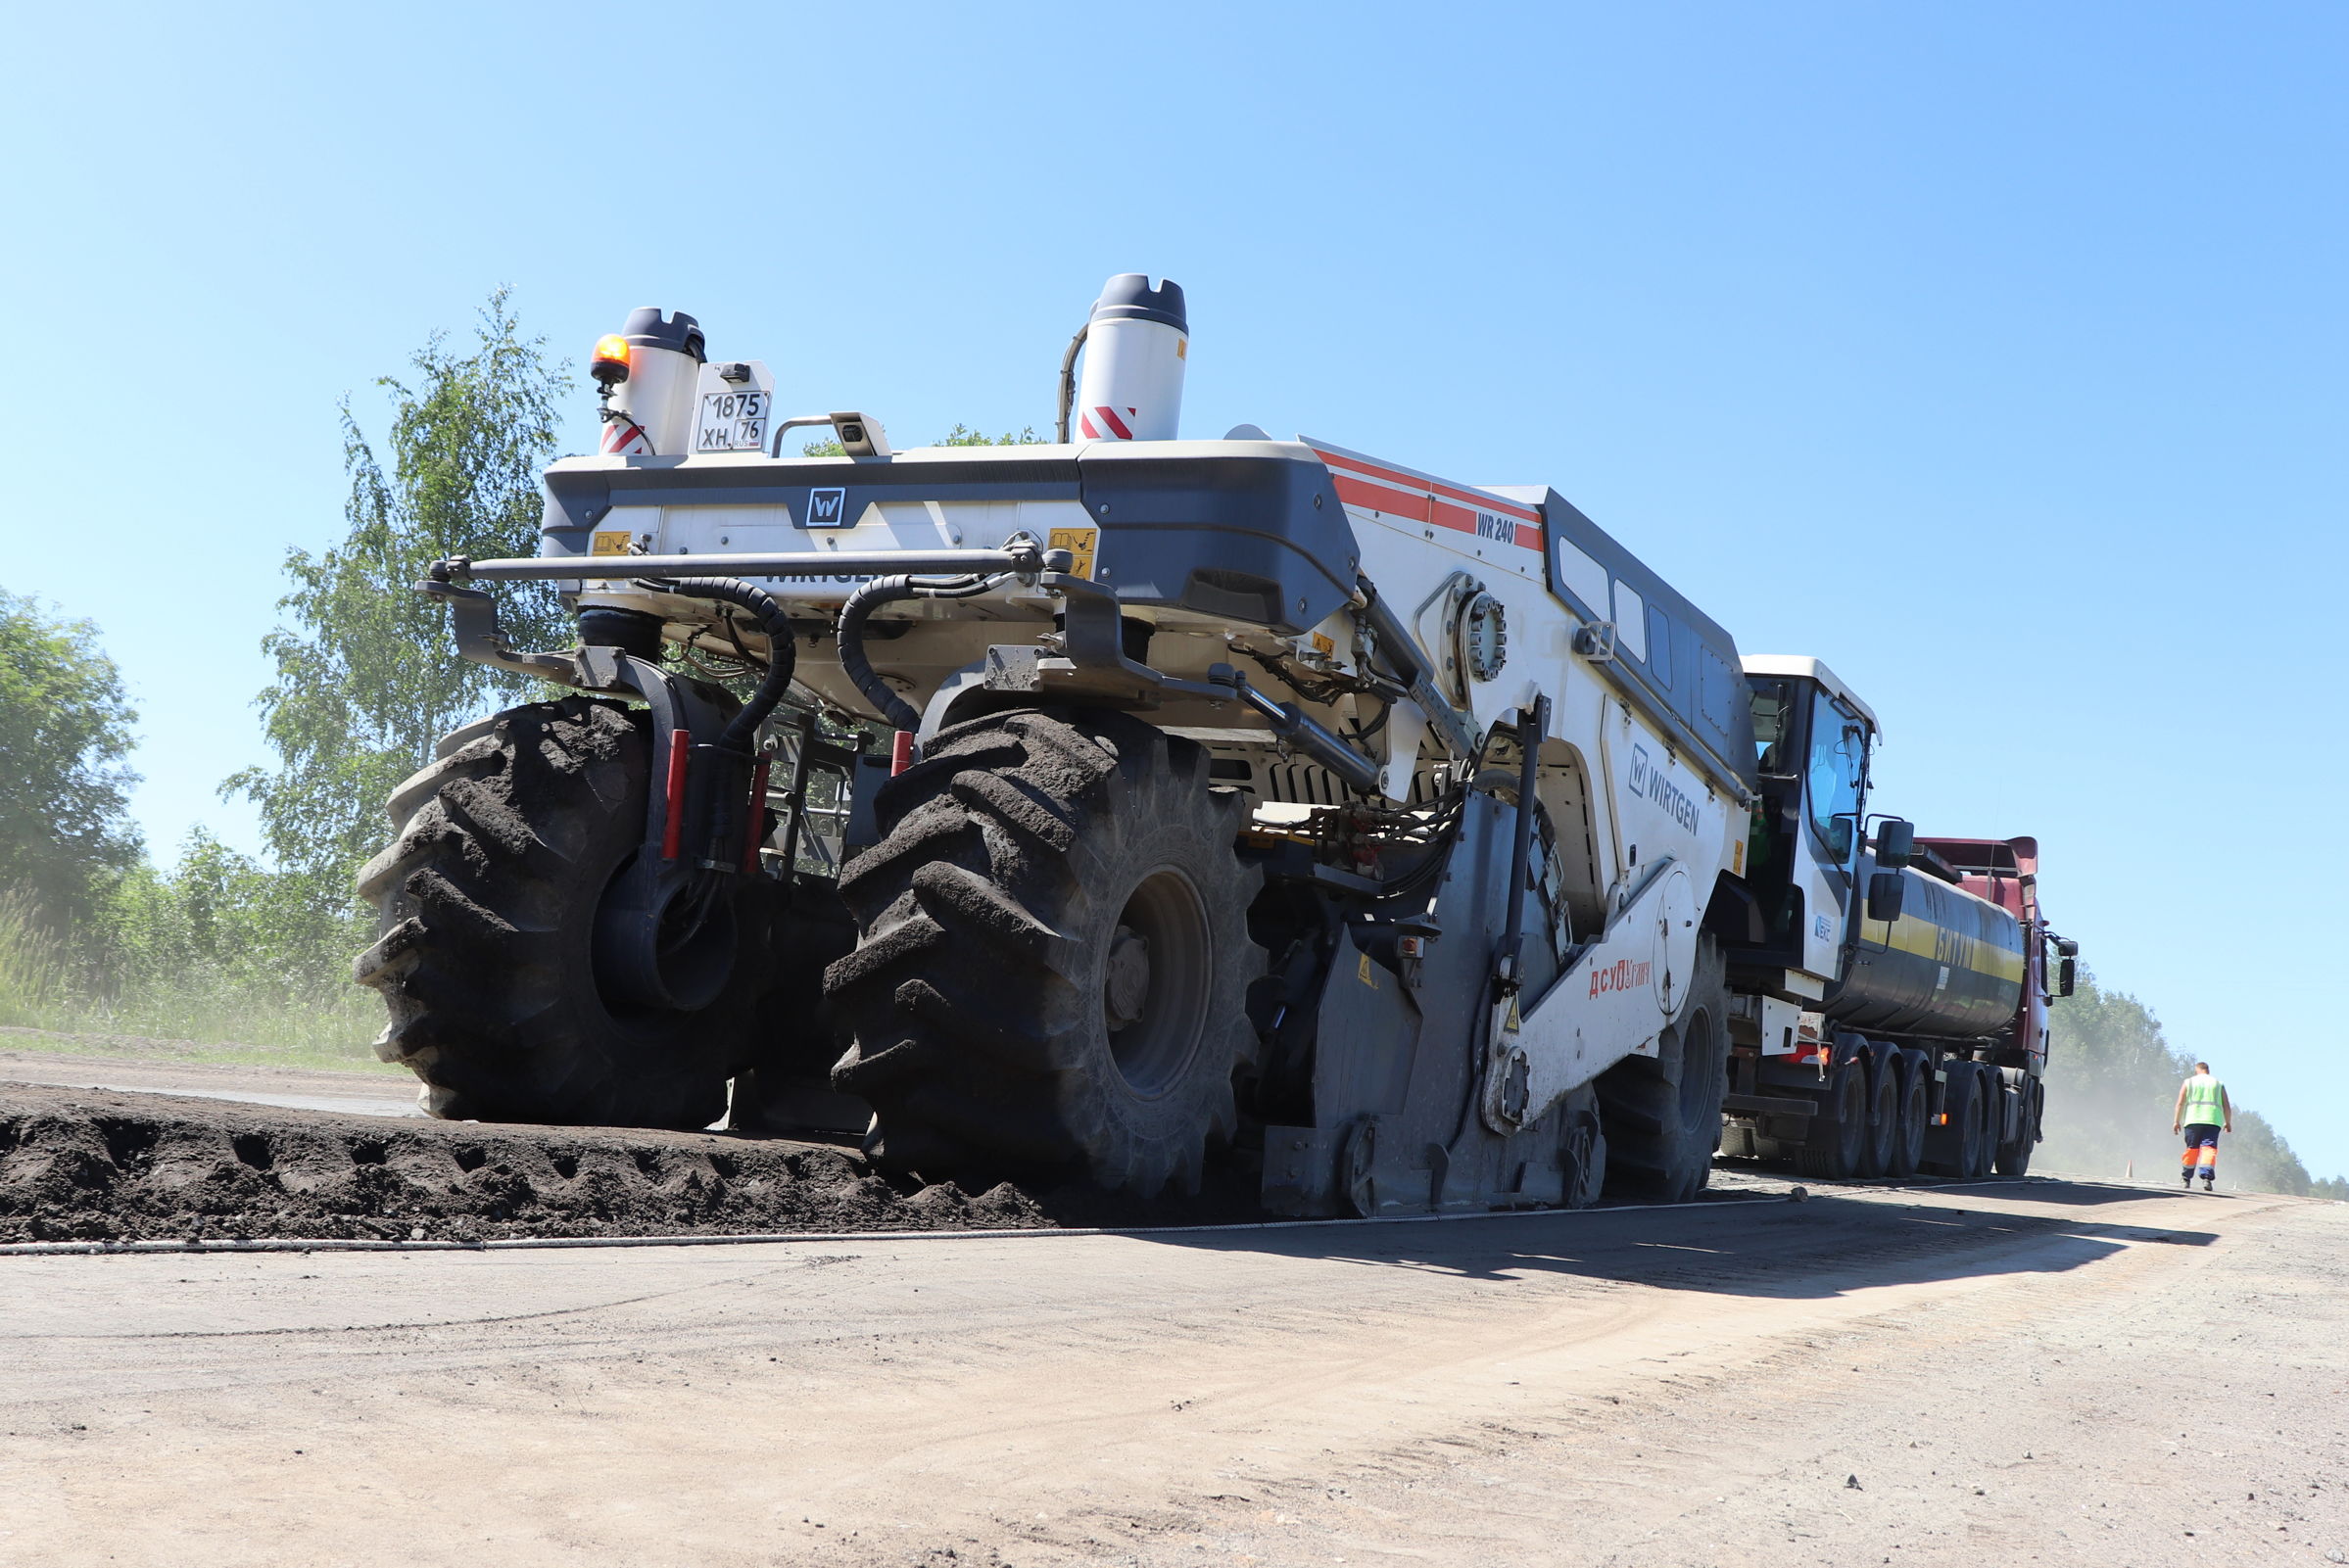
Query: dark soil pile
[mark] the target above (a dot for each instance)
(80, 1165)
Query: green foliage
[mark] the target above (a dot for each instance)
(964, 435)
(36, 975)
(2335, 1188)
(2112, 1083)
(65, 729)
(217, 951)
(961, 435)
(366, 678)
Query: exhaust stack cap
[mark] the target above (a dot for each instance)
(680, 333)
(1128, 297)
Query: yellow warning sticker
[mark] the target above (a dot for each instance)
(1737, 857)
(613, 543)
(1514, 1021)
(1370, 975)
(1324, 643)
(1078, 542)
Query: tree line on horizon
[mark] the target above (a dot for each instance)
(96, 936)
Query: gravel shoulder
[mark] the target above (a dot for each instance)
(1959, 1375)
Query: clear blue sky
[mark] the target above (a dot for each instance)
(1992, 353)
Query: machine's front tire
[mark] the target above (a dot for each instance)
(1662, 1114)
(486, 904)
(1053, 959)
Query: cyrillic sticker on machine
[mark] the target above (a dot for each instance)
(612, 542)
(1078, 542)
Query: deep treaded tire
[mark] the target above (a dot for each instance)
(1662, 1114)
(1053, 961)
(486, 903)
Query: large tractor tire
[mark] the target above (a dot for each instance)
(484, 949)
(1662, 1114)
(1053, 961)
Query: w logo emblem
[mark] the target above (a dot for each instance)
(1638, 770)
(825, 506)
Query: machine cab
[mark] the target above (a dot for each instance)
(1813, 736)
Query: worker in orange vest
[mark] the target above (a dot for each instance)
(2202, 1113)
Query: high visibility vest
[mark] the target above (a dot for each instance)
(2204, 1096)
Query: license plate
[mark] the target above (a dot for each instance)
(732, 421)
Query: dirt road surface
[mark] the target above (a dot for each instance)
(364, 1094)
(2050, 1372)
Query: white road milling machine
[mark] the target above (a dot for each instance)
(1103, 808)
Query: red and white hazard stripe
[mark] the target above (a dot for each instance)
(1103, 424)
(1423, 499)
(625, 438)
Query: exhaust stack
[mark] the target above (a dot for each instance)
(648, 407)
(1135, 347)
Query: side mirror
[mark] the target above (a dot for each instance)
(1895, 843)
(2066, 947)
(2065, 974)
(1886, 890)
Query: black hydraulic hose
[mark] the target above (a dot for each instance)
(782, 654)
(1533, 726)
(1067, 384)
(850, 634)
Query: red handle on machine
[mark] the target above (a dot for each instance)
(672, 828)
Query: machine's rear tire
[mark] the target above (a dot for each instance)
(1908, 1141)
(2014, 1158)
(1053, 959)
(1662, 1114)
(486, 905)
(1883, 1120)
(1839, 1133)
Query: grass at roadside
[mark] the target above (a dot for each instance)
(316, 1056)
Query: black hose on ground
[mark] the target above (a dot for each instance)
(782, 654)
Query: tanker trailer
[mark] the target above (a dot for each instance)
(1891, 1010)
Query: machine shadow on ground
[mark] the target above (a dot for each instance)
(1827, 1247)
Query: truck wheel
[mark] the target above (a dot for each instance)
(1662, 1114)
(1908, 1141)
(1883, 1120)
(1955, 1148)
(1053, 961)
(486, 908)
(1987, 1090)
(2014, 1158)
(1839, 1133)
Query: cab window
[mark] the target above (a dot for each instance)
(1839, 762)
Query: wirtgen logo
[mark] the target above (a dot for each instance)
(1657, 785)
(824, 508)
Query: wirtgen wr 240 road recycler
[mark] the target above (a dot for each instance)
(1100, 808)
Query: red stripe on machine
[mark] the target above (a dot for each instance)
(1423, 482)
(1116, 426)
(1380, 496)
